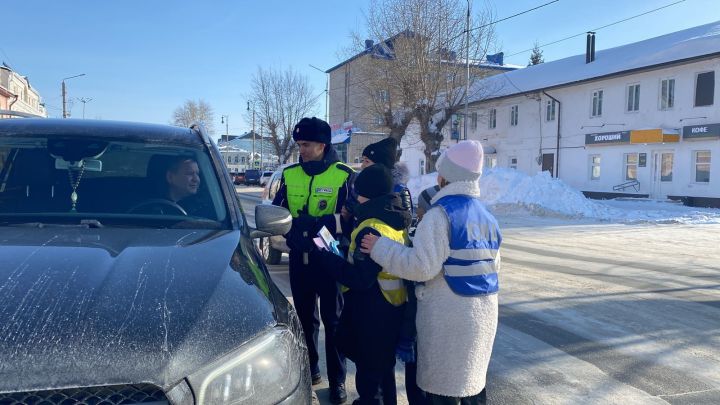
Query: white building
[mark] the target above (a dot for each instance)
(641, 119)
(16, 94)
(236, 159)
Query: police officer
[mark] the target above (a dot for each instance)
(314, 192)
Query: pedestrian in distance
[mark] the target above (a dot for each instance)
(456, 254)
(314, 191)
(374, 300)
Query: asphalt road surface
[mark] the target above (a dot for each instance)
(598, 313)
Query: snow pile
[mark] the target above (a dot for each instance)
(508, 191)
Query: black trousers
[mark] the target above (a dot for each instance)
(415, 395)
(478, 399)
(309, 283)
(375, 387)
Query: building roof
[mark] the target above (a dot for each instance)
(384, 49)
(692, 43)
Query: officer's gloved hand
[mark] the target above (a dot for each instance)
(405, 350)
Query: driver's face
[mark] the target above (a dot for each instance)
(184, 181)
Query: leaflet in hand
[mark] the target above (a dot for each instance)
(325, 241)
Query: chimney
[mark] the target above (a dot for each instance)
(368, 43)
(590, 47)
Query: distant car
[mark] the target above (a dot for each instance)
(252, 176)
(272, 247)
(113, 292)
(239, 178)
(265, 177)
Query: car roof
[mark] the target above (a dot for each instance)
(100, 129)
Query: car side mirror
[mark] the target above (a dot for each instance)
(271, 220)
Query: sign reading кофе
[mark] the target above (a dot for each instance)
(607, 137)
(701, 131)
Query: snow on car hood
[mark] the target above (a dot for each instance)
(84, 307)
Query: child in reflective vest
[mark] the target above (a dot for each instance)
(374, 300)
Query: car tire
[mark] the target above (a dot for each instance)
(270, 254)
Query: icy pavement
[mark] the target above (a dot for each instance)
(510, 192)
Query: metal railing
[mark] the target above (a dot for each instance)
(623, 186)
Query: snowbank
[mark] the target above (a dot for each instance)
(507, 191)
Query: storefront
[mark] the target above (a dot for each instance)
(658, 163)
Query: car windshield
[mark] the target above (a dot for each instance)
(50, 180)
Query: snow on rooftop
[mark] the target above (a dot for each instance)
(508, 191)
(689, 43)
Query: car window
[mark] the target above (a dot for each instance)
(47, 179)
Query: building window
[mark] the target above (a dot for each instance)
(550, 110)
(492, 119)
(597, 100)
(633, 98)
(422, 167)
(473, 121)
(594, 167)
(704, 89)
(631, 164)
(702, 166)
(383, 96)
(237, 159)
(490, 162)
(229, 159)
(666, 166)
(514, 115)
(512, 160)
(379, 120)
(667, 94)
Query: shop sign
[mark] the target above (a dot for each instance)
(607, 138)
(701, 131)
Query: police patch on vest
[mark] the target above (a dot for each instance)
(324, 190)
(322, 204)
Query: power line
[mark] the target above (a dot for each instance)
(463, 33)
(599, 28)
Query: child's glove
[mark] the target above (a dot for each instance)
(405, 350)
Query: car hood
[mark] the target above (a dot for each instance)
(86, 307)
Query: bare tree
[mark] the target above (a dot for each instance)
(282, 98)
(192, 112)
(416, 66)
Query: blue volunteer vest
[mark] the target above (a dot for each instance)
(475, 239)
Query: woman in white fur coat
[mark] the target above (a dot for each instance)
(455, 332)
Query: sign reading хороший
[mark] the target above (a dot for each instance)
(607, 137)
(701, 131)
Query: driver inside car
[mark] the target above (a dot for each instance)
(183, 179)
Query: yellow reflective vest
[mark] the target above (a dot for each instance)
(391, 287)
(318, 193)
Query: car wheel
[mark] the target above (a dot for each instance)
(271, 255)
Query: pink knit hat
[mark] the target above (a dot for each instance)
(461, 162)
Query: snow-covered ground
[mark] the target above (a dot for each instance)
(510, 192)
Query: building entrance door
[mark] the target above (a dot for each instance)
(548, 163)
(663, 162)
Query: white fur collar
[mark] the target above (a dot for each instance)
(471, 188)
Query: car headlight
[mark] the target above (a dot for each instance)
(265, 370)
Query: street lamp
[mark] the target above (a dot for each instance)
(225, 119)
(65, 114)
(84, 100)
(467, 65)
(253, 130)
(327, 84)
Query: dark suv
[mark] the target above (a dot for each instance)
(252, 176)
(128, 272)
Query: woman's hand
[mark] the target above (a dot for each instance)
(368, 242)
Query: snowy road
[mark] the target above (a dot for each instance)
(602, 313)
(608, 314)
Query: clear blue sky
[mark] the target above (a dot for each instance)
(142, 59)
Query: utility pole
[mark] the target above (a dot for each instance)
(467, 64)
(253, 130)
(64, 94)
(262, 146)
(327, 95)
(84, 100)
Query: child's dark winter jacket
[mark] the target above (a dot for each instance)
(369, 324)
